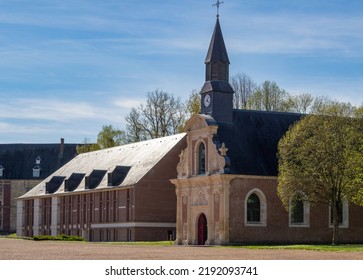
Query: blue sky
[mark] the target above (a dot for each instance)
(67, 67)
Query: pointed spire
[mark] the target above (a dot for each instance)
(217, 51)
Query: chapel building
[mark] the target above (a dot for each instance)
(227, 176)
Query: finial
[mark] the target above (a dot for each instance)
(217, 5)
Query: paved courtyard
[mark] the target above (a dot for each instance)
(19, 249)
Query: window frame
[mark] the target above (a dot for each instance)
(263, 208)
(306, 211)
(345, 216)
(198, 158)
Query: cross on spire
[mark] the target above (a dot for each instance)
(217, 5)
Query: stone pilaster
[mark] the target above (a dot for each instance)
(37, 216)
(55, 216)
(20, 218)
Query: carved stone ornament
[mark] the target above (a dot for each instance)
(200, 199)
(182, 167)
(223, 149)
(216, 231)
(185, 200)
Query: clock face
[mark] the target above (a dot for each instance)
(206, 100)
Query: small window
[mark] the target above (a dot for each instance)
(201, 158)
(36, 171)
(1, 171)
(38, 160)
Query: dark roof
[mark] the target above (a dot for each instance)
(217, 49)
(18, 160)
(252, 140)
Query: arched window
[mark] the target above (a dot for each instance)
(299, 210)
(343, 212)
(253, 208)
(201, 158)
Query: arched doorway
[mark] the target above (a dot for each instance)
(202, 229)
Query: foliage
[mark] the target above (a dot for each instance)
(322, 156)
(193, 104)
(87, 147)
(61, 237)
(162, 115)
(108, 137)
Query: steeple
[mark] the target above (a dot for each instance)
(217, 93)
(217, 62)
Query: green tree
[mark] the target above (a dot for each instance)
(322, 156)
(87, 147)
(193, 103)
(108, 137)
(358, 112)
(161, 115)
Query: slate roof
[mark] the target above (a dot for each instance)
(252, 140)
(217, 49)
(114, 167)
(18, 160)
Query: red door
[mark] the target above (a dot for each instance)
(202, 229)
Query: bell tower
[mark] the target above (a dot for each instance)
(217, 93)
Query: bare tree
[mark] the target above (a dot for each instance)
(243, 87)
(161, 115)
(270, 97)
(325, 106)
(302, 102)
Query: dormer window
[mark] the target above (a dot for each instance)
(1, 171)
(36, 171)
(38, 160)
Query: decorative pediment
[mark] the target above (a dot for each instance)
(199, 121)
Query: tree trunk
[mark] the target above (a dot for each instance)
(335, 213)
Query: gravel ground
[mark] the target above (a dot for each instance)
(19, 249)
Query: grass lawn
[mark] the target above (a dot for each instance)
(330, 248)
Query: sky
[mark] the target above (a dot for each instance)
(68, 67)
